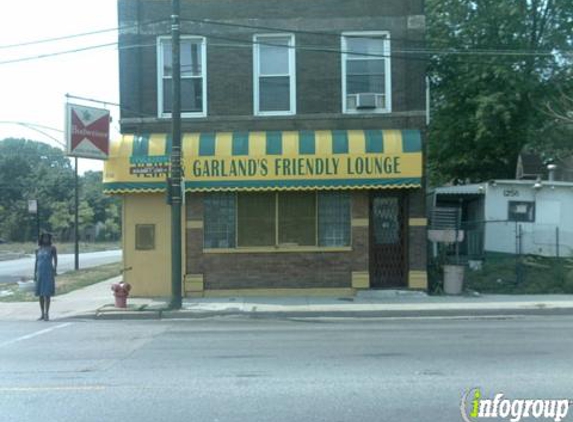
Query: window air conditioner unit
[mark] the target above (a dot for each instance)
(365, 101)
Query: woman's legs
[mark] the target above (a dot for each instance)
(47, 300)
(42, 308)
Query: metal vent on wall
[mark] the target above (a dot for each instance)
(445, 218)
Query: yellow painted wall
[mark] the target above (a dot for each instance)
(150, 275)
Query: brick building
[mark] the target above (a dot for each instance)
(303, 145)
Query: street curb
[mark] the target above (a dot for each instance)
(368, 314)
(127, 315)
(186, 314)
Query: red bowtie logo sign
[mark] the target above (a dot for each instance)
(96, 132)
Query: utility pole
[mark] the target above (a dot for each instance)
(175, 180)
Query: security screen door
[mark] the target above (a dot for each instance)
(387, 241)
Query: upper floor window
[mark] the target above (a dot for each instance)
(274, 74)
(366, 73)
(193, 78)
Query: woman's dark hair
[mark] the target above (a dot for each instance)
(48, 239)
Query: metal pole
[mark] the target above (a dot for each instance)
(518, 265)
(557, 241)
(175, 161)
(38, 221)
(76, 219)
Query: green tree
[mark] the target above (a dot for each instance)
(61, 220)
(33, 170)
(106, 209)
(487, 101)
(112, 224)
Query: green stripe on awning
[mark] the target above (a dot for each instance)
(240, 143)
(140, 146)
(168, 144)
(207, 144)
(306, 142)
(374, 141)
(274, 143)
(339, 142)
(411, 141)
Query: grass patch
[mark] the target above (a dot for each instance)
(69, 282)
(67, 247)
(524, 275)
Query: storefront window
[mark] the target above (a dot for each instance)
(219, 209)
(256, 217)
(297, 218)
(334, 219)
(271, 219)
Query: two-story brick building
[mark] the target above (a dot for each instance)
(303, 145)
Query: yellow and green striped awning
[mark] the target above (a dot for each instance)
(224, 161)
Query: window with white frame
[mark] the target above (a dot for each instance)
(366, 73)
(193, 80)
(274, 73)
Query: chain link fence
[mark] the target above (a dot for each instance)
(507, 257)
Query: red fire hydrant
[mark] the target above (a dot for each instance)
(120, 292)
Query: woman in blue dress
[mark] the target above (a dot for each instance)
(45, 272)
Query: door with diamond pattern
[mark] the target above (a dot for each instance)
(387, 241)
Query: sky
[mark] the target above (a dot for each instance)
(35, 91)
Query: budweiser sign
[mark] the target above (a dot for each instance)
(87, 131)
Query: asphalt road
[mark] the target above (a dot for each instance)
(12, 271)
(234, 370)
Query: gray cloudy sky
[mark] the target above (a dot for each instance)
(34, 91)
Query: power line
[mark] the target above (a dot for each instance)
(425, 55)
(122, 29)
(40, 129)
(58, 53)
(394, 53)
(339, 34)
(83, 34)
(78, 50)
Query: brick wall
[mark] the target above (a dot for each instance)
(230, 68)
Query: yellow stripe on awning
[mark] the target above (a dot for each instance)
(353, 159)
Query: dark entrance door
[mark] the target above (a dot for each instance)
(387, 241)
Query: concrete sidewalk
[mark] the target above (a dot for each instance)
(97, 302)
(79, 303)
